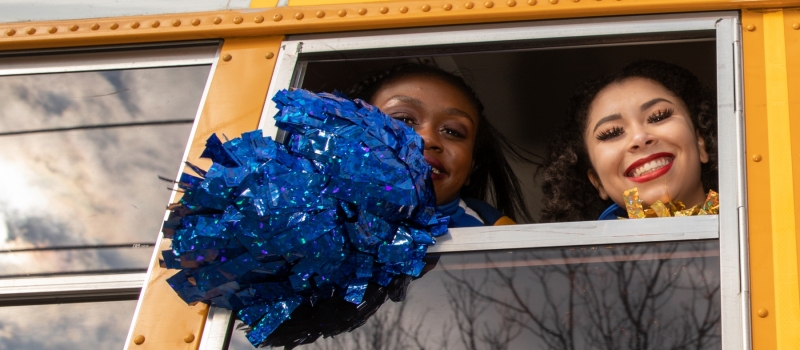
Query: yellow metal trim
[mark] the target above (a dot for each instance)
(332, 18)
(782, 189)
(233, 105)
(759, 210)
(263, 3)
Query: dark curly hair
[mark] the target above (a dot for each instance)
(492, 176)
(568, 194)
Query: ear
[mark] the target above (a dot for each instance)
(595, 180)
(701, 147)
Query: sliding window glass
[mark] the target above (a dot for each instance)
(84, 137)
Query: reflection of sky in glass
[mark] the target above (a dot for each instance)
(102, 325)
(95, 186)
(648, 296)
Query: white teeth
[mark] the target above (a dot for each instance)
(436, 171)
(650, 166)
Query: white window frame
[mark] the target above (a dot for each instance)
(60, 288)
(734, 273)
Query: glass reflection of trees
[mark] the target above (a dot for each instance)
(648, 296)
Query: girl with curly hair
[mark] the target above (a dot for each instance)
(652, 126)
(465, 151)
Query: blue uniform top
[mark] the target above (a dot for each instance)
(613, 212)
(470, 212)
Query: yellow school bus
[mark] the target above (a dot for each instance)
(98, 100)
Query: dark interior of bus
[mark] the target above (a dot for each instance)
(525, 90)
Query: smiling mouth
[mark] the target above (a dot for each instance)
(650, 167)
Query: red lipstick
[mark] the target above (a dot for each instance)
(651, 175)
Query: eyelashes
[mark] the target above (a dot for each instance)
(615, 131)
(610, 133)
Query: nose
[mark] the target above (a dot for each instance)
(430, 136)
(641, 138)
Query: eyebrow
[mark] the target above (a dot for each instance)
(406, 99)
(652, 102)
(606, 120)
(459, 113)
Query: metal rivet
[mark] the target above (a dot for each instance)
(134, 25)
(531, 2)
(138, 340)
(11, 32)
(757, 158)
(31, 31)
(553, 2)
(188, 338)
(176, 23)
(488, 4)
(238, 19)
(751, 27)
(426, 8)
(362, 11)
(74, 27)
(52, 30)
(269, 55)
(277, 17)
(576, 0)
(155, 24)
(196, 22)
(447, 7)
(259, 19)
(114, 26)
(298, 16)
(342, 13)
(762, 312)
(320, 14)
(403, 9)
(796, 26)
(511, 3)
(384, 10)
(217, 20)
(469, 5)
(227, 57)
(95, 26)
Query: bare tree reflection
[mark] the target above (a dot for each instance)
(654, 296)
(640, 297)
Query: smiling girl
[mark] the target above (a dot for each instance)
(652, 126)
(464, 150)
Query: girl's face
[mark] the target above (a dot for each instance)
(639, 134)
(447, 121)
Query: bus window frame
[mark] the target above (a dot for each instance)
(734, 274)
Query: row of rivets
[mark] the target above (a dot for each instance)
(139, 339)
(299, 15)
(227, 57)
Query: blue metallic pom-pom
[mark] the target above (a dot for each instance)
(345, 201)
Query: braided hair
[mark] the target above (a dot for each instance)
(568, 194)
(492, 176)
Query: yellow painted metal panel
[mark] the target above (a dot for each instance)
(782, 184)
(758, 182)
(233, 105)
(336, 17)
(263, 3)
(329, 2)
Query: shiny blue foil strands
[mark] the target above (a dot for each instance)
(346, 201)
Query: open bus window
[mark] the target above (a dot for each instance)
(525, 92)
